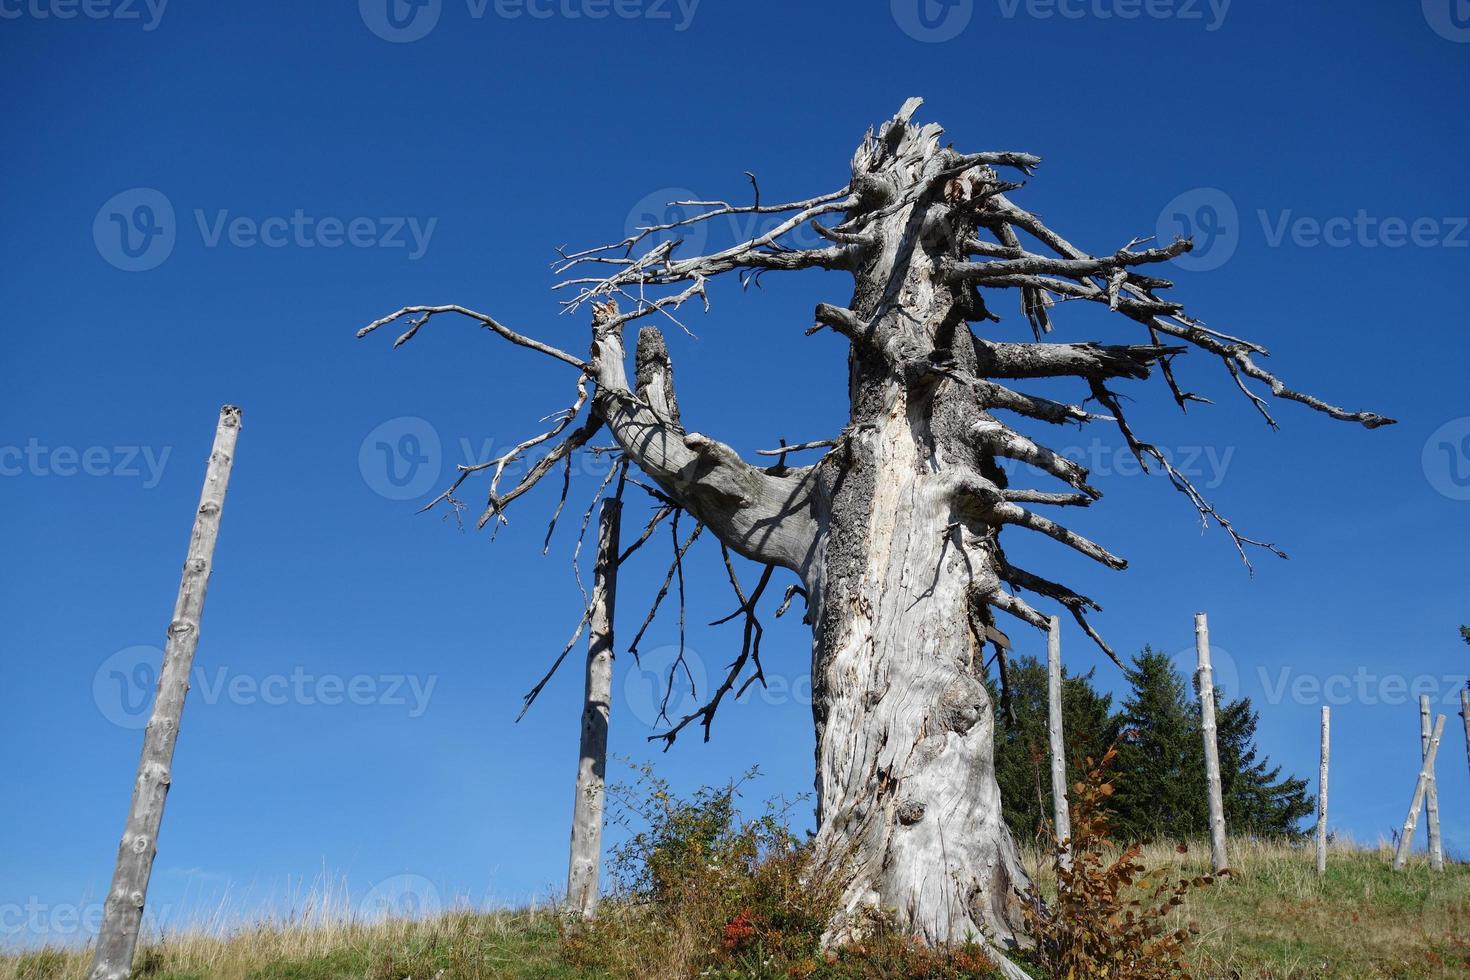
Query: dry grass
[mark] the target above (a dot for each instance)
(450, 947)
(1275, 920)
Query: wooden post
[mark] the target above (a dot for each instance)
(123, 910)
(1431, 792)
(1212, 751)
(1060, 817)
(1406, 838)
(585, 864)
(1465, 716)
(1322, 791)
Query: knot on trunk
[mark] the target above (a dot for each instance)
(910, 812)
(963, 705)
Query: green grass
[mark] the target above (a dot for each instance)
(1275, 920)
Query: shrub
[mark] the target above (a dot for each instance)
(1110, 916)
(697, 890)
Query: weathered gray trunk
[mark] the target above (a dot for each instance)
(1431, 791)
(123, 910)
(908, 807)
(1465, 719)
(585, 863)
(1206, 677)
(1426, 773)
(1061, 818)
(1322, 791)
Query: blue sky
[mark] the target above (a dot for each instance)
(286, 173)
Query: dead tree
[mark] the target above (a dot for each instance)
(585, 863)
(896, 534)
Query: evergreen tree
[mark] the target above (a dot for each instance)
(1258, 801)
(1160, 769)
(1022, 747)
(1162, 789)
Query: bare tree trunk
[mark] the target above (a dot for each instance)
(1322, 791)
(586, 854)
(1431, 792)
(1426, 773)
(1061, 818)
(123, 911)
(909, 812)
(1212, 750)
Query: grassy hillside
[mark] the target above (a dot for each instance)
(1274, 920)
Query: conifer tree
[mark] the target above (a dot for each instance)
(1160, 770)
(1021, 747)
(1259, 801)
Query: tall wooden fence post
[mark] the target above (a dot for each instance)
(1431, 792)
(1212, 751)
(585, 864)
(1465, 716)
(1060, 816)
(1322, 791)
(122, 914)
(1426, 771)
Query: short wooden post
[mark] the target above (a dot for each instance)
(122, 913)
(1322, 791)
(585, 865)
(1406, 838)
(1060, 816)
(1206, 680)
(1431, 792)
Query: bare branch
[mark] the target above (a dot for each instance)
(489, 322)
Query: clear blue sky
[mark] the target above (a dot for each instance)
(361, 667)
